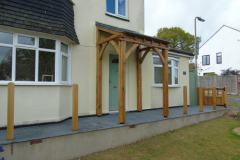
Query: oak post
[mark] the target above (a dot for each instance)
(75, 107)
(225, 97)
(121, 90)
(98, 78)
(200, 99)
(197, 95)
(165, 84)
(10, 114)
(214, 98)
(139, 80)
(185, 100)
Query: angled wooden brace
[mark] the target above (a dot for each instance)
(160, 55)
(130, 50)
(115, 46)
(103, 49)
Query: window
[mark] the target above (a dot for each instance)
(117, 7)
(206, 60)
(33, 60)
(173, 72)
(219, 58)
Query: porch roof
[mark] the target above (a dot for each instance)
(122, 30)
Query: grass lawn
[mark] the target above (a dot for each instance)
(231, 96)
(233, 104)
(207, 140)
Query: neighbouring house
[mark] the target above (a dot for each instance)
(47, 46)
(220, 52)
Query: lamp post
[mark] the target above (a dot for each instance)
(195, 52)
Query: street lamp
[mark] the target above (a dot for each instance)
(195, 52)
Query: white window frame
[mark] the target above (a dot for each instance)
(172, 70)
(58, 60)
(116, 10)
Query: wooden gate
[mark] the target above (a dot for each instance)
(213, 96)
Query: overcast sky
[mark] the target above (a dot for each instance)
(181, 13)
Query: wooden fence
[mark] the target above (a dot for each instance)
(212, 96)
(231, 82)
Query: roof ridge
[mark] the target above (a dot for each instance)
(218, 31)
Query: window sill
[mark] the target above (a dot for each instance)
(118, 17)
(34, 84)
(160, 86)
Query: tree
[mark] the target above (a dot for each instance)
(179, 39)
(229, 71)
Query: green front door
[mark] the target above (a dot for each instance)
(113, 82)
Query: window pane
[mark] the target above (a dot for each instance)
(208, 59)
(25, 65)
(175, 63)
(46, 72)
(158, 75)
(26, 40)
(176, 76)
(46, 43)
(64, 68)
(6, 38)
(6, 63)
(204, 60)
(169, 75)
(64, 48)
(219, 54)
(157, 61)
(111, 6)
(121, 7)
(219, 59)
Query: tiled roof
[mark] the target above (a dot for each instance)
(47, 16)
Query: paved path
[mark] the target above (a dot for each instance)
(234, 100)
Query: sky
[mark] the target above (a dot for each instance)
(181, 13)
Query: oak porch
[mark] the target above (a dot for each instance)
(138, 40)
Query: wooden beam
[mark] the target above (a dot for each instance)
(144, 49)
(115, 46)
(108, 39)
(139, 80)
(225, 97)
(143, 42)
(121, 76)
(200, 99)
(75, 107)
(98, 78)
(109, 31)
(10, 112)
(103, 49)
(165, 85)
(214, 98)
(130, 50)
(185, 111)
(160, 55)
(145, 54)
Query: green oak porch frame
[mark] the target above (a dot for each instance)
(138, 41)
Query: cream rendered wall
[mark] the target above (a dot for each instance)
(152, 95)
(87, 12)
(37, 104)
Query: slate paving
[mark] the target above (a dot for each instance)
(93, 123)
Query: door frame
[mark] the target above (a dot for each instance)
(126, 81)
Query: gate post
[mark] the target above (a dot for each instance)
(214, 98)
(200, 99)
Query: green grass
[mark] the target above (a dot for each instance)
(233, 104)
(231, 96)
(208, 140)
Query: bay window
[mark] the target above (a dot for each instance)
(33, 60)
(117, 7)
(173, 72)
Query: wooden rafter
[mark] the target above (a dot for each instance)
(160, 55)
(144, 49)
(108, 39)
(103, 49)
(115, 46)
(109, 31)
(145, 54)
(130, 50)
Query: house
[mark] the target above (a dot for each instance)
(220, 51)
(47, 46)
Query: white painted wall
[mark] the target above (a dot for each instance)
(227, 41)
